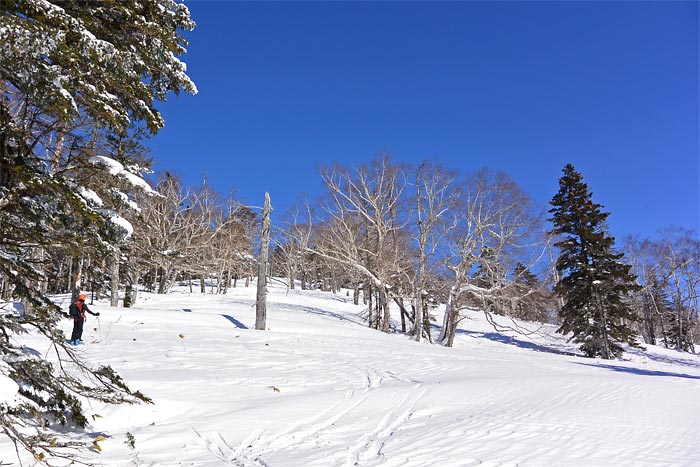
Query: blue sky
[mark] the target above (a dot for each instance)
(523, 87)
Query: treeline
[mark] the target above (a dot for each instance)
(402, 238)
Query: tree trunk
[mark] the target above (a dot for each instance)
(162, 279)
(77, 271)
(290, 274)
(418, 317)
(368, 300)
(128, 293)
(449, 325)
(59, 274)
(44, 282)
(404, 313)
(4, 289)
(227, 282)
(386, 306)
(426, 320)
(69, 277)
(260, 305)
(135, 293)
(114, 277)
(131, 285)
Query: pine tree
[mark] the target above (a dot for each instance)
(76, 77)
(594, 284)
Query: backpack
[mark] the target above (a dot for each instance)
(73, 311)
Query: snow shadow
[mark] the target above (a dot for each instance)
(235, 322)
(320, 312)
(682, 359)
(496, 337)
(640, 371)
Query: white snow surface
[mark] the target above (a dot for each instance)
(8, 388)
(319, 388)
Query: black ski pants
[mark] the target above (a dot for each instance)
(77, 328)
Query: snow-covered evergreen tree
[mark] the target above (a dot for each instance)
(76, 81)
(595, 284)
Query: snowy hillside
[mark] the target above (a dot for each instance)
(321, 389)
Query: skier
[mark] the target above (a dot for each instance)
(77, 312)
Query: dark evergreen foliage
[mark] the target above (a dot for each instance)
(76, 79)
(595, 284)
(655, 307)
(677, 328)
(532, 298)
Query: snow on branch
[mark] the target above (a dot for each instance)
(116, 168)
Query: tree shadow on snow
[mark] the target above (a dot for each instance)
(684, 359)
(497, 337)
(321, 312)
(639, 371)
(230, 318)
(236, 323)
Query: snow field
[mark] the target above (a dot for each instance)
(318, 388)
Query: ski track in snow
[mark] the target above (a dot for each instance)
(324, 428)
(320, 389)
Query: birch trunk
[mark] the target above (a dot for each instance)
(449, 322)
(386, 318)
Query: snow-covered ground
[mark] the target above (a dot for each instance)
(318, 388)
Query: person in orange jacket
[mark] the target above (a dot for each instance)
(77, 311)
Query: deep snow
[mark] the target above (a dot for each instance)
(318, 388)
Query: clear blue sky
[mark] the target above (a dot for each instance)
(523, 87)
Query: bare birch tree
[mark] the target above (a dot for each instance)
(493, 219)
(434, 201)
(295, 238)
(680, 266)
(362, 216)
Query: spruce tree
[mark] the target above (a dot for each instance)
(595, 285)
